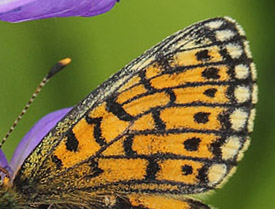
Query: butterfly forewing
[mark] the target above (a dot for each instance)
(173, 121)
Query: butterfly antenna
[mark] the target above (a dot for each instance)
(53, 71)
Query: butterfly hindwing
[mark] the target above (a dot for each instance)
(173, 121)
(135, 201)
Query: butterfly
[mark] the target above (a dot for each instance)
(172, 124)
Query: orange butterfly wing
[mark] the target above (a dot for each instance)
(174, 121)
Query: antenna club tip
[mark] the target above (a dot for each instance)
(59, 66)
(65, 61)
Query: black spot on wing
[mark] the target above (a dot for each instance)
(192, 144)
(202, 175)
(160, 125)
(97, 130)
(145, 81)
(211, 73)
(115, 108)
(210, 92)
(172, 96)
(127, 145)
(203, 55)
(201, 117)
(152, 169)
(186, 170)
(71, 142)
(57, 161)
(215, 147)
(224, 118)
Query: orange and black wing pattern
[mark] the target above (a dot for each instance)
(172, 123)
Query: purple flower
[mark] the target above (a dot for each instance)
(30, 141)
(25, 10)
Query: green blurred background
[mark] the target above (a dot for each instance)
(99, 46)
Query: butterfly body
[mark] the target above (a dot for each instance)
(172, 123)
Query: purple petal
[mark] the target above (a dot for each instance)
(24, 10)
(3, 159)
(7, 5)
(4, 164)
(34, 136)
